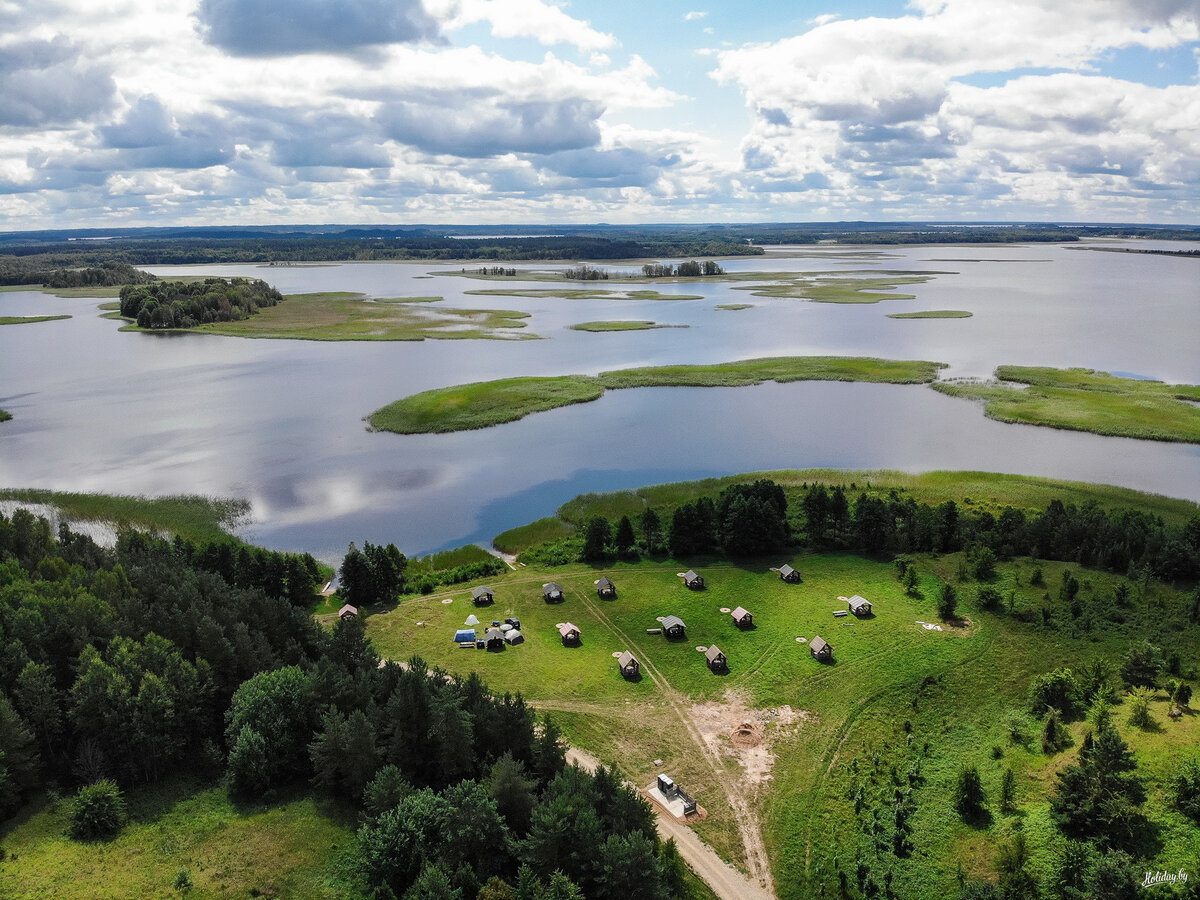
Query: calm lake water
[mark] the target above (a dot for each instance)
(280, 422)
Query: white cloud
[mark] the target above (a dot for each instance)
(694, 15)
(536, 19)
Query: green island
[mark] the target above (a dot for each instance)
(25, 320)
(1016, 703)
(734, 306)
(486, 403)
(5, 415)
(1087, 400)
(622, 325)
(582, 294)
(933, 314)
(837, 287)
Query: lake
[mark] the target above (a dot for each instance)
(280, 423)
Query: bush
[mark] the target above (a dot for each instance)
(97, 812)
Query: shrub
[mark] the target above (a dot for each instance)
(97, 812)
(947, 602)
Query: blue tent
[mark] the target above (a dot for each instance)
(463, 635)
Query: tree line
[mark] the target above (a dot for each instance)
(689, 269)
(123, 666)
(183, 304)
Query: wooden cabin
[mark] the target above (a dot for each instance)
(348, 612)
(606, 589)
(628, 665)
(493, 639)
(820, 649)
(674, 628)
(569, 634)
(483, 596)
(742, 617)
(716, 659)
(693, 580)
(553, 592)
(788, 574)
(860, 606)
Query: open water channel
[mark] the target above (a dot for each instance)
(280, 422)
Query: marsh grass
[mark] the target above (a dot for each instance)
(933, 314)
(1087, 400)
(486, 403)
(26, 320)
(583, 294)
(621, 325)
(733, 307)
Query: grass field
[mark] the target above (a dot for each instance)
(933, 314)
(198, 519)
(26, 320)
(956, 687)
(1087, 400)
(621, 325)
(294, 848)
(486, 403)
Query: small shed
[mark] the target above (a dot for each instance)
(742, 617)
(606, 589)
(860, 606)
(716, 659)
(788, 574)
(552, 592)
(693, 580)
(820, 649)
(494, 639)
(674, 628)
(513, 636)
(628, 665)
(348, 612)
(464, 636)
(483, 595)
(569, 633)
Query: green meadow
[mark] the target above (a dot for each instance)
(1087, 400)
(486, 403)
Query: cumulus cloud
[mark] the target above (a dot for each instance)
(268, 28)
(536, 19)
(48, 82)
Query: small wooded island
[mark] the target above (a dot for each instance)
(180, 304)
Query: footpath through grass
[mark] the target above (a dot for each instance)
(485, 403)
(1087, 400)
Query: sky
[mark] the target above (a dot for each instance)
(227, 112)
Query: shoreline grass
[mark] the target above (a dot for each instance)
(621, 325)
(29, 320)
(1087, 400)
(933, 314)
(734, 306)
(486, 403)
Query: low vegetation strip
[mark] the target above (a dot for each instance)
(622, 325)
(1087, 400)
(5, 415)
(485, 403)
(933, 314)
(27, 320)
(582, 294)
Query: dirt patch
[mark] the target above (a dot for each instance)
(737, 730)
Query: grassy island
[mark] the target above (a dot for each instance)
(933, 314)
(5, 415)
(825, 287)
(582, 294)
(1087, 400)
(28, 320)
(486, 403)
(622, 325)
(734, 306)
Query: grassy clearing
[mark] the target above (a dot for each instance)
(733, 307)
(622, 325)
(342, 316)
(583, 294)
(482, 404)
(485, 403)
(1087, 400)
(27, 320)
(541, 531)
(199, 519)
(934, 314)
(293, 848)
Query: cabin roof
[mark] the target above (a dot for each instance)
(818, 643)
(857, 601)
(604, 581)
(567, 628)
(672, 621)
(713, 653)
(494, 634)
(551, 586)
(690, 575)
(482, 591)
(785, 569)
(625, 659)
(741, 612)
(348, 609)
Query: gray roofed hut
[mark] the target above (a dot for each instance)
(628, 665)
(483, 595)
(494, 639)
(348, 612)
(716, 659)
(569, 633)
(860, 606)
(693, 580)
(821, 649)
(674, 628)
(605, 588)
(742, 617)
(552, 592)
(788, 574)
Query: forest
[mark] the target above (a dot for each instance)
(184, 304)
(123, 667)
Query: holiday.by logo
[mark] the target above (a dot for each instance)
(1153, 878)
